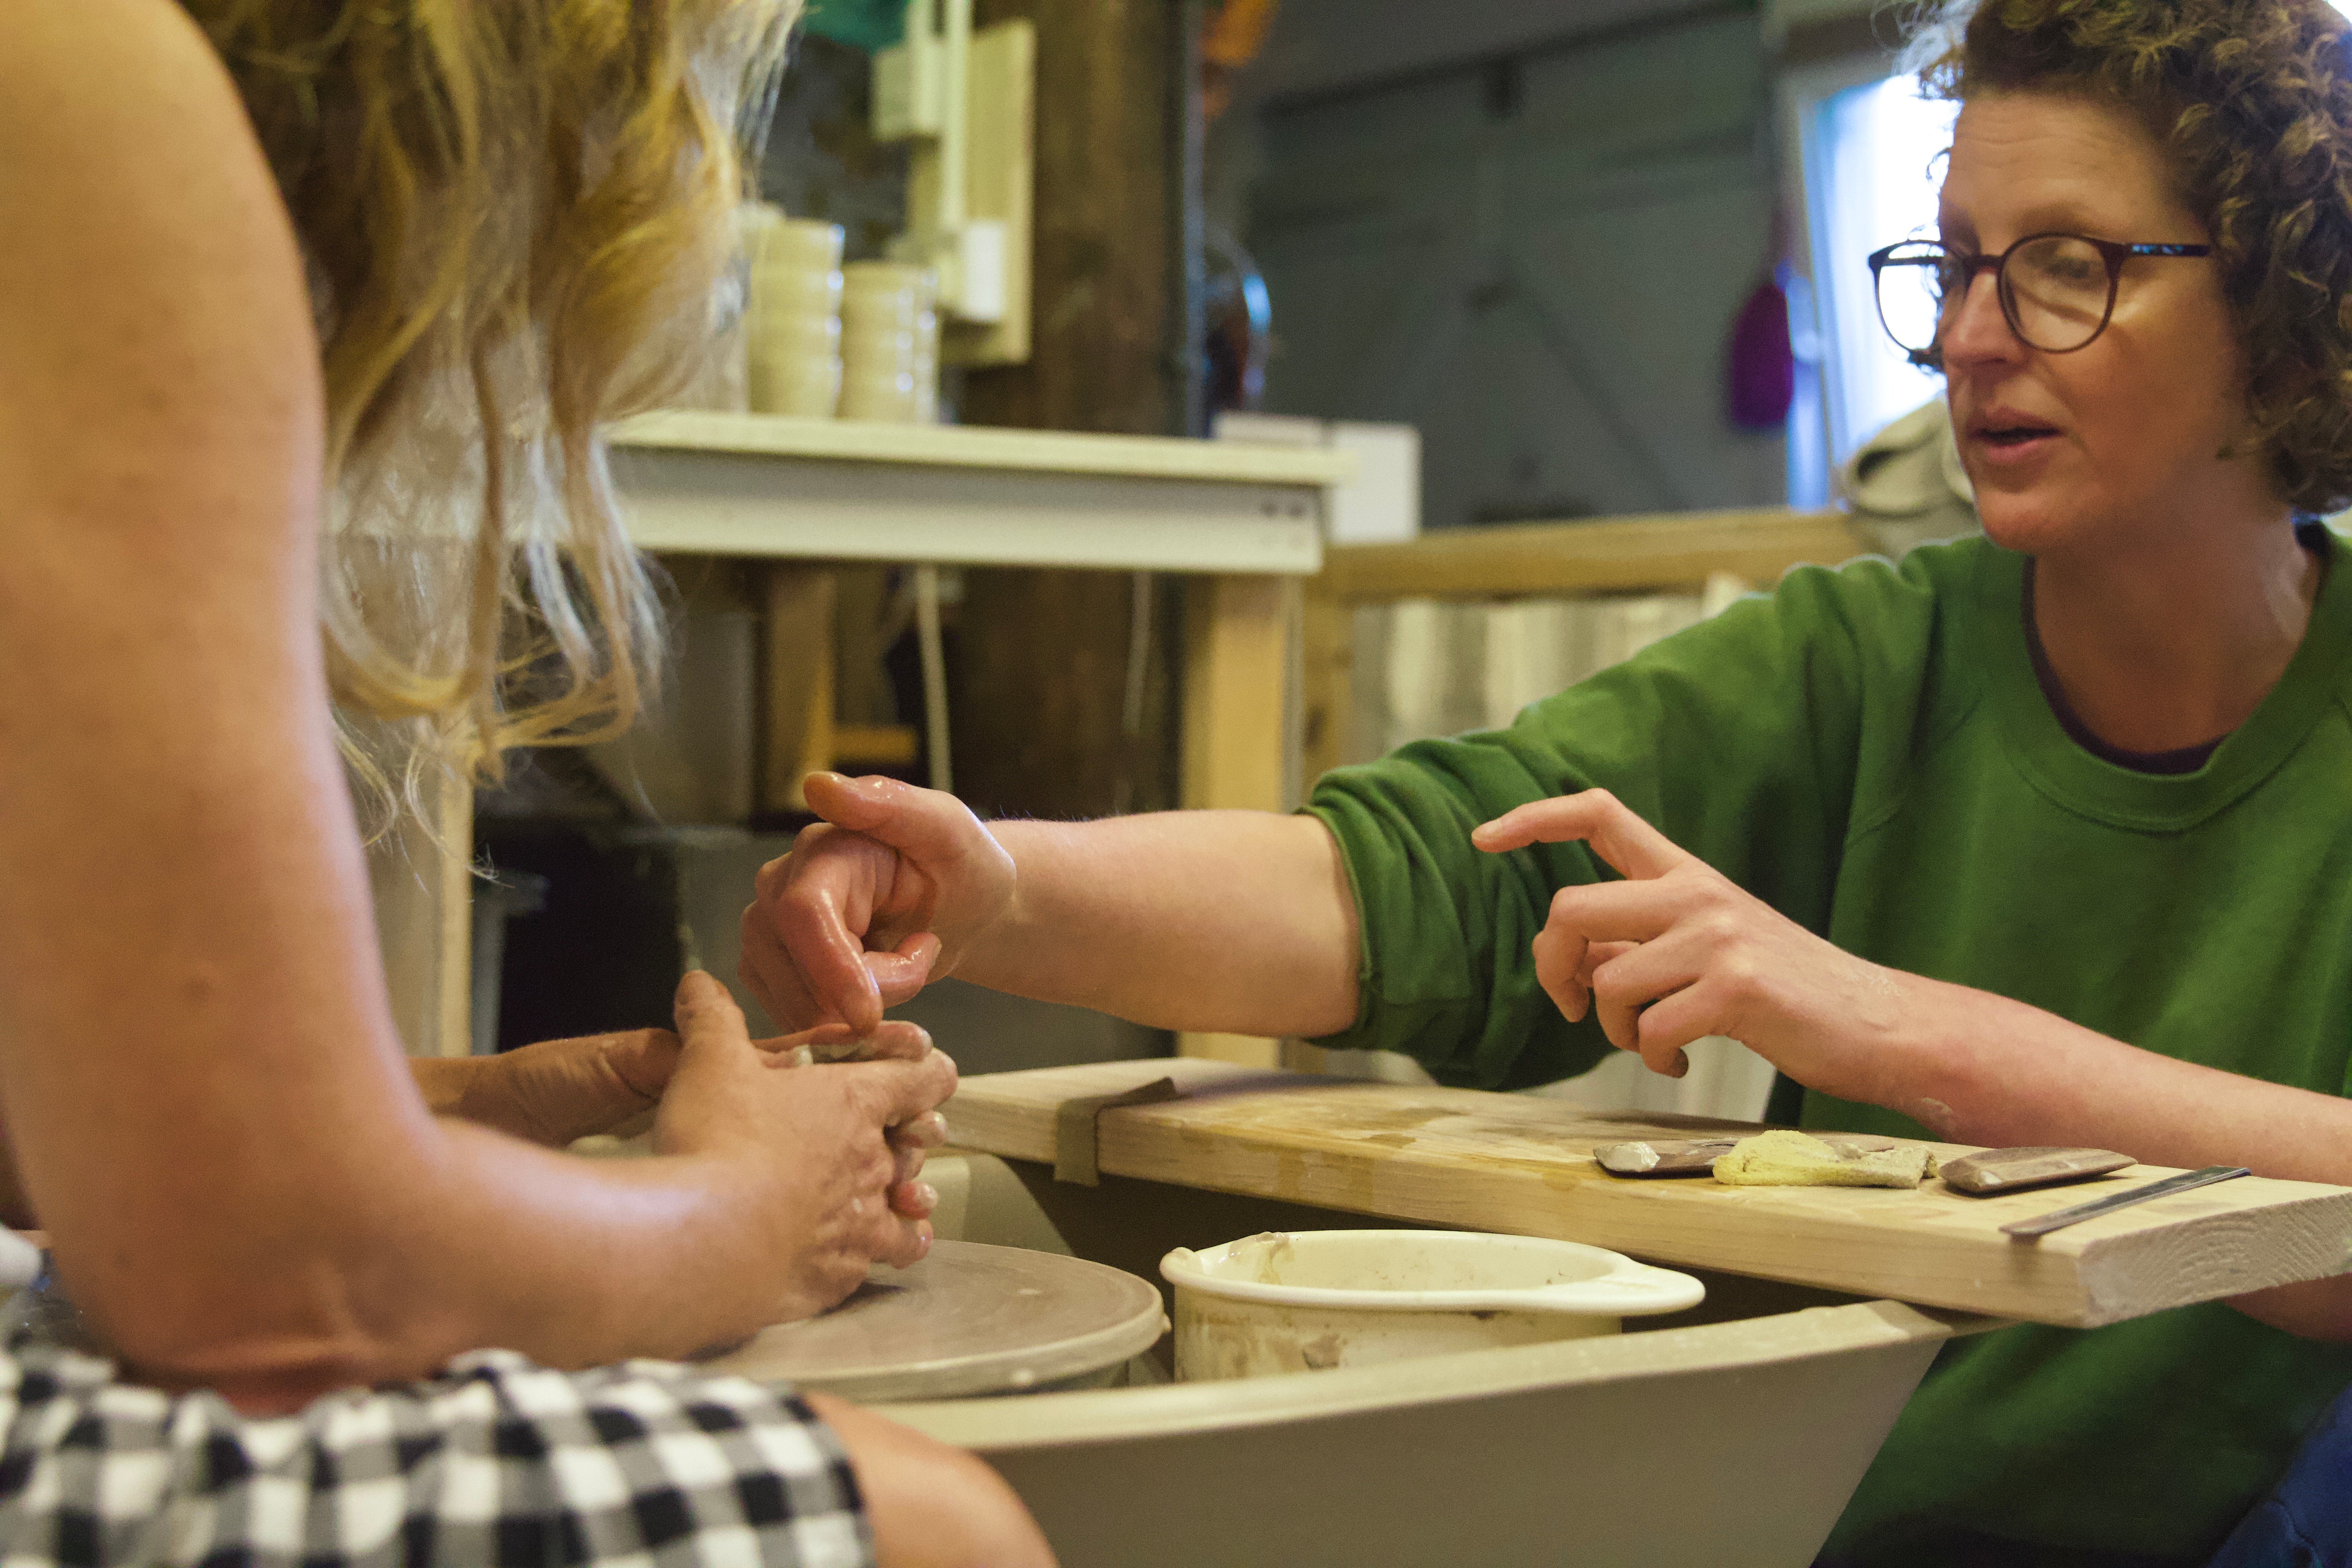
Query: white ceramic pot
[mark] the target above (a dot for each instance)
(1285, 1301)
(770, 238)
(807, 386)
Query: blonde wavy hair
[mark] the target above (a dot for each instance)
(516, 217)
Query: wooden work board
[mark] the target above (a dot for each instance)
(1520, 1164)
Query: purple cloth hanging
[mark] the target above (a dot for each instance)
(1760, 369)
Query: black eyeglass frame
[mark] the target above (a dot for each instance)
(2115, 253)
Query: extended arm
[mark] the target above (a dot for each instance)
(1231, 921)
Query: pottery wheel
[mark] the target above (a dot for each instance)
(967, 1320)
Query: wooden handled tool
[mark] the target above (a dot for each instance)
(2040, 1166)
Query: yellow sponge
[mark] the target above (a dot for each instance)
(1784, 1159)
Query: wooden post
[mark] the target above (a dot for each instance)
(1236, 657)
(798, 674)
(1327, 698)
(1237, 714)
(1041, 679)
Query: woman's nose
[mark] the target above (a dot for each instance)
(1975, 329)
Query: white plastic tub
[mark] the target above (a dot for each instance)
(1285, 1301)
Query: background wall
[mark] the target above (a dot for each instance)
(1534, 255)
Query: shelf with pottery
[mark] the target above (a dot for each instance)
(1245, 522)
(799, 493)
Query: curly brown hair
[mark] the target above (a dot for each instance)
(515, 217)
(2252, 101)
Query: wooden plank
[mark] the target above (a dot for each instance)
(1237, 650)
(798, 684)
(1000, 183)
(1326, 699)
(1236, 727)
(1613, 555)
(876, 745)
(1524, 1165)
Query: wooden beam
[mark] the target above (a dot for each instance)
(1523, 1165)
(1329, 674)
(1108, 340)
(1042, 682)
(1670, 552)
(1612, 556)
(1236, 727)
(1000, 180)
(798, 681)
(1236, 634)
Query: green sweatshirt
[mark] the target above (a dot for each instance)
(1869, 751)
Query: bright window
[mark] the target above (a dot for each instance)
(1874, 160)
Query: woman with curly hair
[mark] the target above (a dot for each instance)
(309, 311)
(2044, 837)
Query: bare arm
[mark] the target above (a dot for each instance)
(1231, 921)
(196, 1062)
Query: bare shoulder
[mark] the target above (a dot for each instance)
(151, 290)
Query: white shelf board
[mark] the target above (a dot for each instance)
(757, 485)
(985, 446)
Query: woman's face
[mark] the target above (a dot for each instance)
(2120, 437)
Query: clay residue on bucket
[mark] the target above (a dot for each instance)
(1277, 1250)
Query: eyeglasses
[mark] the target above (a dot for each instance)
(2057, 290)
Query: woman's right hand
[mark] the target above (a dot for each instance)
(810, 1144)
(883, 895)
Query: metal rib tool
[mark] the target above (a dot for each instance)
(2058, 1219)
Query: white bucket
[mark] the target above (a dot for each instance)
(1284, 1301)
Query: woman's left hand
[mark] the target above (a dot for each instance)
(1679, 952)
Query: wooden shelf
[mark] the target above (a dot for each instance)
(1613, 555)
(759, 485)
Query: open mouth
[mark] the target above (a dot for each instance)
(2004, 437)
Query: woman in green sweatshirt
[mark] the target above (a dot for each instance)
(2039, 838)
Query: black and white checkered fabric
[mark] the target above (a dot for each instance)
(497, 1462)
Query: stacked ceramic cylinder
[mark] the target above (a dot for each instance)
(794, 306)
(889, 343)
